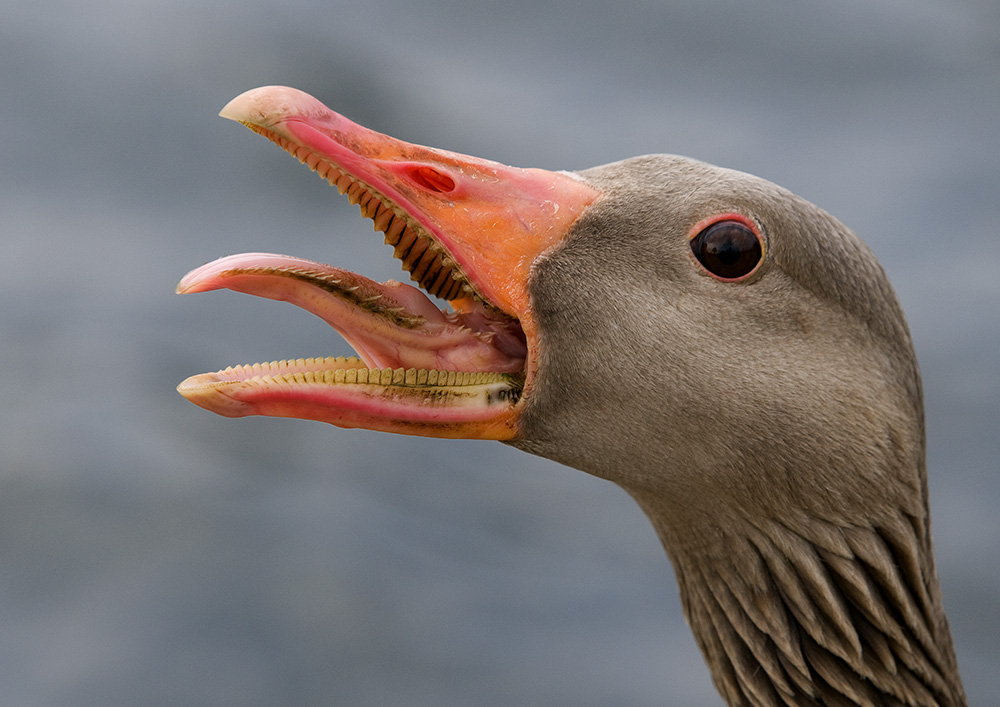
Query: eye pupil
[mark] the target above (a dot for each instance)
(727, 249)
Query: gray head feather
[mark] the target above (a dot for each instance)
(772, 429)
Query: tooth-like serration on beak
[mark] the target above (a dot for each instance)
(346, 393)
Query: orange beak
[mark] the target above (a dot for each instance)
(468, 230)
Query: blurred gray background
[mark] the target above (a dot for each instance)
(152, 553)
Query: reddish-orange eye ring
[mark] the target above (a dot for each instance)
(728, 247)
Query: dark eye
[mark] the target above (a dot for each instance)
(728, 249)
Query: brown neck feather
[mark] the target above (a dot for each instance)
(816, 613)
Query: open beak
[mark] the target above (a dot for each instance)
(467, 230)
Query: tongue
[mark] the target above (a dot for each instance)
(389, 324)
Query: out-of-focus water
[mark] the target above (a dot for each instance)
(152, 553)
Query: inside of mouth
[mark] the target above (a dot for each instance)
(393, 327)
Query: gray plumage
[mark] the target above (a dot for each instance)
(771, 429)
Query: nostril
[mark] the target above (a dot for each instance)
(433, 180)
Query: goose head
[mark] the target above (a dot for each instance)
(728, 353)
